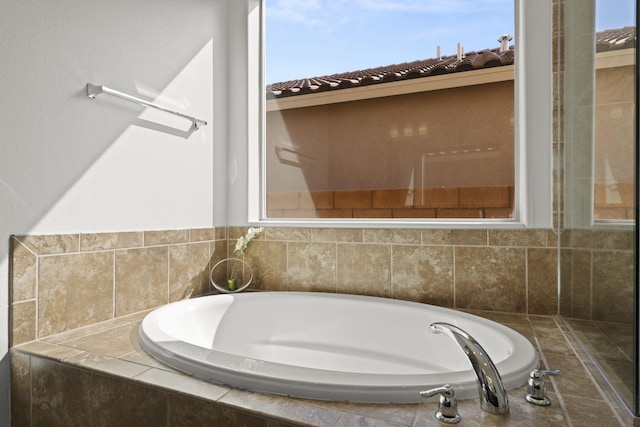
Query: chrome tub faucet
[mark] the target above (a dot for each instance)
(493, 397)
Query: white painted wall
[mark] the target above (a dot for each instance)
(71, 164)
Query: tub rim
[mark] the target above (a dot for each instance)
(289, 380)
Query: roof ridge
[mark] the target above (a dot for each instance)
(611, 39)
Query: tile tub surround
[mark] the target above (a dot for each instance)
(99, 375)
(597, 271)
(63, 282)
(99, 348)
(500, 270)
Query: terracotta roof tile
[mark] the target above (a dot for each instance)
(391, 73)
(605, 40)
(621, 38)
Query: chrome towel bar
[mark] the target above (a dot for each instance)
(94, 90)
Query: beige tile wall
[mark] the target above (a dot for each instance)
(63, 282)
(500, 270)
(597, 273)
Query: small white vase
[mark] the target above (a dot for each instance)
(231, 275)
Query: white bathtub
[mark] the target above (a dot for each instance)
(328, 346)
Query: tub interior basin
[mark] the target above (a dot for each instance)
(328, 346)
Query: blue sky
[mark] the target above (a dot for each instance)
(614, 14)
(309, 38)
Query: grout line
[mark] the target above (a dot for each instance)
(31, 389)
(210, 254)
(113, 287)
(453, 275)
(168, 274)
(335, 272)
(65, 342)
(603, 395)
(391, 270)
(286, 267)
(16, 240)
(526, 280)
(561, 403)
(37, 298)
(591, 271)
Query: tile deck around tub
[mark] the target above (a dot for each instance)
(108, 354)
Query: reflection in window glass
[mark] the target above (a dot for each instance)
(350, 136)
(614, 131)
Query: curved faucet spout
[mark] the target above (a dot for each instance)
(493, 397)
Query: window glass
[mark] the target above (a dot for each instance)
(614, 112)
(395, 109)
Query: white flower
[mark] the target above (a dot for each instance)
(240, 245)
(243, 242)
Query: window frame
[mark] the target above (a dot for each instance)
(533, 131)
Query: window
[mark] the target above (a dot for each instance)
(599, 183)
(614, 124)
(318, 181)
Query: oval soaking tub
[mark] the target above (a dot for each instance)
(328, 346)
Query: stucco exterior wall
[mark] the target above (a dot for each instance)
(425, 149)
(458, 137)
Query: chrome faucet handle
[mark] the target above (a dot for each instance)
(491, 391)
(537, 389)
(448, 410)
